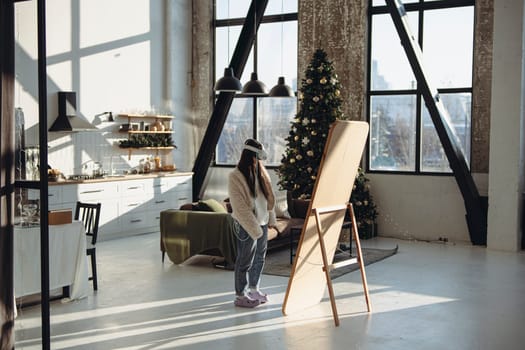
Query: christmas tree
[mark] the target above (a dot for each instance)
(320, 106)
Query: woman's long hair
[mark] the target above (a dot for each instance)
(250, 167)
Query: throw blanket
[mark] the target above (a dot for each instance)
(186, 233)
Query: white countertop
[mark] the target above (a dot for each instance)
(108, 178)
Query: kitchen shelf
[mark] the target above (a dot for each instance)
(148, 132)
(131, 149)
(150, 116)
(156, 119)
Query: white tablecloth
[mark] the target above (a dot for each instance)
(67, 259)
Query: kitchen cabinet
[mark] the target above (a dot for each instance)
(134, 204)
(66, 196)
(130, 205)
(107, 194)
(168, 193)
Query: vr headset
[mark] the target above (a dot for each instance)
(260, 153)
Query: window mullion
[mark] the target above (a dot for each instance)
(419, 96)
(419, 123)
(255, 113)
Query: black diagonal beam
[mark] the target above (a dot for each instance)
(225, 99)
(476, 211)
(7, 83)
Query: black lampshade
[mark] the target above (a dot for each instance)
(255, 87)
(281, 89)
(228, 83)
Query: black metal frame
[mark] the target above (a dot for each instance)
(7, 122)
(225, 99)
(475, 206)
(42, 184)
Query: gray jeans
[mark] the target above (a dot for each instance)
(249, 263)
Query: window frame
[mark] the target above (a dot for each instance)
(239, 21)
(420, 7)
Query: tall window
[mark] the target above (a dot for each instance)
(402, 134)
(274, 54)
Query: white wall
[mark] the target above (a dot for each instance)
(421, 207)
(410, 207)
(118, 55)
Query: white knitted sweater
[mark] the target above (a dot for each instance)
(243, 203)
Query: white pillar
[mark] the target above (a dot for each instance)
(506, 169)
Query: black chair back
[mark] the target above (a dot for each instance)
(89, 214)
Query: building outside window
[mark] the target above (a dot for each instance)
(274, 54)
(402, 134)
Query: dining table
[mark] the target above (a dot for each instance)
(67, 260)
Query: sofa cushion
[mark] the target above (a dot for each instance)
(281, 224)
(187, 206)
(281, 206)
(287, 224)
(211, 205)
(272, 233)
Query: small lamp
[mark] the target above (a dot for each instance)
(281, 89)
(255, 87)
(228, 83)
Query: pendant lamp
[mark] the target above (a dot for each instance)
(255, 87)
(281, 89)
(228, 83)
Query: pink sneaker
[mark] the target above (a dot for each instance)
(246, 301)
(258, 295)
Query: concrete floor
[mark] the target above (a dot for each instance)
(428, 296)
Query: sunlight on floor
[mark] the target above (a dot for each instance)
(144, 304)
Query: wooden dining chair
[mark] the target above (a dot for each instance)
(89, 214)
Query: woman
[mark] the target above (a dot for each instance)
(252, 201)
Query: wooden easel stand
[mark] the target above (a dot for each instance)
(327, 267)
